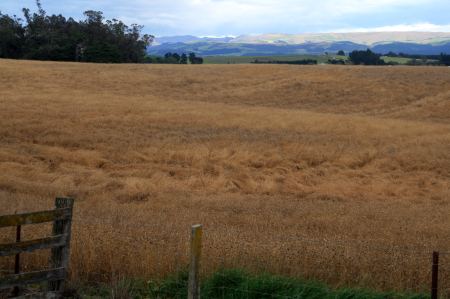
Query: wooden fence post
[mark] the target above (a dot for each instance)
(194, 267)
(435, 276)
(60, 255)
(16, 291)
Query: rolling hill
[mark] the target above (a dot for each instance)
(427, 43)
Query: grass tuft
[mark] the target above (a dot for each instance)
(238, 284)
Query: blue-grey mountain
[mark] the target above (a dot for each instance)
(427, 43)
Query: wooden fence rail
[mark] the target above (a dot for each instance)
(59, 243)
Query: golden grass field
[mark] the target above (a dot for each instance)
(340, 174)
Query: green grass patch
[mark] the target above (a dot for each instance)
(399, 60)
(237, 284)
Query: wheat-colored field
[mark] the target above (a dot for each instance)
(340, 174)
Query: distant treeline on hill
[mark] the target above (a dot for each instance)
(366, 57)
(442, 59)
(175, 58)
(300, 62)
(370, 58)
(413, 56)
(45, 37)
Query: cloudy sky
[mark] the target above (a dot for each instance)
(236, 17)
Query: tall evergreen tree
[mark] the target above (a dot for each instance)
(12, 37)
(54, 37)
(183, 59)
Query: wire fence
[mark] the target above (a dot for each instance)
(330, 253)
(372, 244)
(285, 246)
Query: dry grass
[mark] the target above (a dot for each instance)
(336, 173)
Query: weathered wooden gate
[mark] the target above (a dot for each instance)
(59, 243)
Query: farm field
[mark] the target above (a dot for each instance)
(319, 58)
(399, 60)
(338, 174)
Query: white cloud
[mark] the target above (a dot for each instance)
(418, 27)
(222, 17)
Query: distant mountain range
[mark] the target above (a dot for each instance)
(427, 43)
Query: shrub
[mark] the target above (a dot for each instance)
(366, 57)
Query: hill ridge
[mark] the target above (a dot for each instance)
(365, 38)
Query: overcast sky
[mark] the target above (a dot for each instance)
(236, 17)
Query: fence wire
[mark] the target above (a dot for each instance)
(279, 245)
(371, 244)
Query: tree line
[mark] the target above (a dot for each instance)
(443, 59)
(370, 58)
(297, 62)
(366, 57)
(175, 58)
(53, 37)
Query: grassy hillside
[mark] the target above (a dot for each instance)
(250, 59)
(365, 38)
(315, 44)
(399, 60)
(336, 174)
(319, 58)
